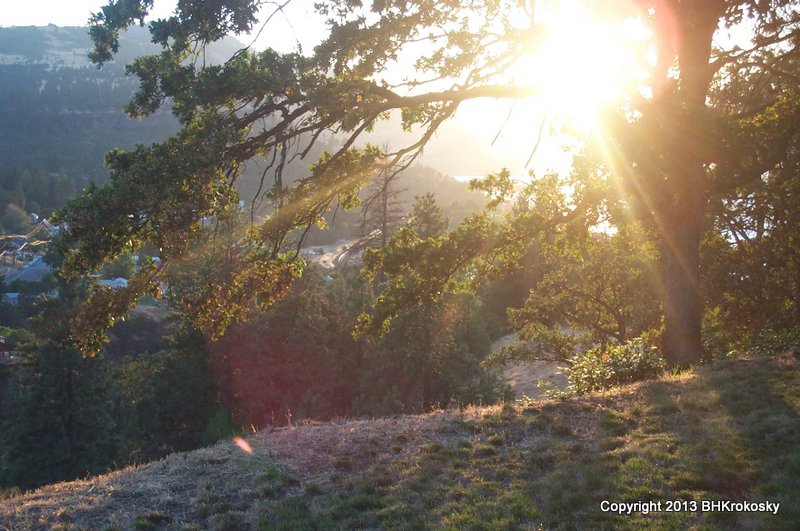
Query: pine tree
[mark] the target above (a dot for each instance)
(427, 218)
(59, 423)
(382, 210)
(59, 408)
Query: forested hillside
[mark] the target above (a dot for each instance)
(58, 113)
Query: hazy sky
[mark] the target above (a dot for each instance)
(61, 12)
(299, 24)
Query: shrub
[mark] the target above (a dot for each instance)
(770, 341)
(604, 367)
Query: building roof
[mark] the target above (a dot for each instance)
(33, 272)
(118, 282)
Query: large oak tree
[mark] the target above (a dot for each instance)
(274, 107)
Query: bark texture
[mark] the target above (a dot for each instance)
(686, 143)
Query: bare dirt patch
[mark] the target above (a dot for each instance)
(524, 377)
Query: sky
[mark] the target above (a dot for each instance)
(472, 131)
(61, 12)
(298, 25)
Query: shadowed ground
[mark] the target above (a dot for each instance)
(726, 432)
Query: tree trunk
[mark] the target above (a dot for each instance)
(681, 195)
(796, 266)
(680, 277)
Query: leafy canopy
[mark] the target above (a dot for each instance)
(421, 58)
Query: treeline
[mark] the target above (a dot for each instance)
(62, 118)
(58, 113)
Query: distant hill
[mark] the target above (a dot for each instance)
(56, 46)
(60, 113)
(453, 197)
(726, 432)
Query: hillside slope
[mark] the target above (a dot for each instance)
(724, 432)
(58, 113)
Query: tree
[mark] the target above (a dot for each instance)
(122, 267)
(752, 256)
(597, 285)
(665, 145)
(429, 357)
(382, 210)
(165, 399)
(296, 359)
(15, 220)
(427, 219)
(60, 421)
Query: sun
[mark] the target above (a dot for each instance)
(583, 61)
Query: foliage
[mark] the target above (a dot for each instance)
(607, 366)
(67, 415)
(299, 359)
(296, 359)
(429, 357)
(165, 400)
(60, 421)
(659, 149)
(220, 426)
(15, 220)
(752, 258)
(427, 218)
(35, 191)
(123, 266)
(143, 332)
(431, 353)
(13, 316)
(596, 287)
(209, 104)
(770, 341)
(510, 291)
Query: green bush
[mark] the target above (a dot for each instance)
(604, 367)
(770, 341)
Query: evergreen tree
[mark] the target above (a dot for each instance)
(59, 406)
(15, 220)
(382, 210)
(165, 400)
(427, 219)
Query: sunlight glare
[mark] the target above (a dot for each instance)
(583, 62)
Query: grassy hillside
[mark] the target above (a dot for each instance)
(727, 431)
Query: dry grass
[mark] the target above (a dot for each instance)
(179, 483)
(723, 432)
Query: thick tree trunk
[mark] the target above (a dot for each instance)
(681, 214)
(796, 264)
(680, 276)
